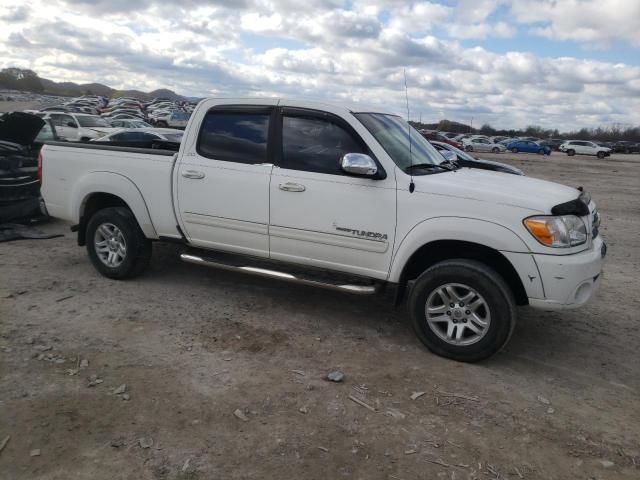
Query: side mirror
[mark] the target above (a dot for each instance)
(359, 164)
(449, 155)
(71, 124)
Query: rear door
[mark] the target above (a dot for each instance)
(320, 215)
(481, 145)
(222, 182)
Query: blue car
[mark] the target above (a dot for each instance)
(527, 146)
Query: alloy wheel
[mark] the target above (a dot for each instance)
(110, 245)
(457, 314)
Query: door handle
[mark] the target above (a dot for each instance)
(292, 187)
(192, 174)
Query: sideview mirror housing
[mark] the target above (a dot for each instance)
(359, 164)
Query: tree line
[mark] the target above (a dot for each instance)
(611, 133)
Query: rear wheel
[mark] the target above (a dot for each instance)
(162, 123)
(462, 309)
(116, 245)
(514, 150)
(571, 153)
(469, 148)
(495, 150)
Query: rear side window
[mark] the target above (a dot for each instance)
(315, 144)
(239, 137)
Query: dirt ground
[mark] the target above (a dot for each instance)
(194, 345)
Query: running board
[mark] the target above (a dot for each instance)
(300, 277)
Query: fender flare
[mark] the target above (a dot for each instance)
(482, 232)
(115, 184)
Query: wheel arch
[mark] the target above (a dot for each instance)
(439, 250)
(99, 190)
(445, 238)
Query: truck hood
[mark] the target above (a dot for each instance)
(496, 187)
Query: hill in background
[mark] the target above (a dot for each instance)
(29, 81)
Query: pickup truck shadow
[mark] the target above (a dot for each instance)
(544, 344)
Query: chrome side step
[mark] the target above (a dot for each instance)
(304, 279)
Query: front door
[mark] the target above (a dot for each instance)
(66, 126)
(321, 215)
(222, 182)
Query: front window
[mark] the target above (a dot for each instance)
(90, 121)
(402, 142)
(313, 144)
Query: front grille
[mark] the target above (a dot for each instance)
(595, 224)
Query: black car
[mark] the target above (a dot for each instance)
(21, 137)
(466, 160)
(552, 143)
(624, 146)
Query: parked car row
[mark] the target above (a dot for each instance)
(499, 144)
(159, 112)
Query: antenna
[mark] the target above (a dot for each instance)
(412, 186)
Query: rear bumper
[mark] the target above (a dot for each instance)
(570, 281)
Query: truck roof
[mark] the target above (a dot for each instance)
(351, 107)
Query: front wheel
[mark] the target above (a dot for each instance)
(469, 148)
(601, 155)
(495, 150)
(462, 309)
(514, 150)
(116, 245)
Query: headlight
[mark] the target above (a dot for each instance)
(558, 232)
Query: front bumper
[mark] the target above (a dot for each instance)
(569, 281)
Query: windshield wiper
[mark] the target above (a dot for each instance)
(447, 166)
(451, 165)
(425, 165)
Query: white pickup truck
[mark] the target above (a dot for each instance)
(351, 200)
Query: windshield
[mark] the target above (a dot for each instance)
(173, 137)
(392, 132)
(462, 155)
(89, 121)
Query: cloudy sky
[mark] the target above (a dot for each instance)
(555, 63)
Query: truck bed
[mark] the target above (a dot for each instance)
(73, 171)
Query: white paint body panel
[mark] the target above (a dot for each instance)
(240, 208)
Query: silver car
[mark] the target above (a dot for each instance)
(482, 145)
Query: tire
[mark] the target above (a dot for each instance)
(541, 151)
(514, 150)
(465, 277)
(117, 223)
(162, 124)
(469, 148)
(571, 153)
(600, 154)
(495, 150)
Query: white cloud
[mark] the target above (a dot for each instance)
(596, 22)
(336, 50)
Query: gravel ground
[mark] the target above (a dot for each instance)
(194, 345)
